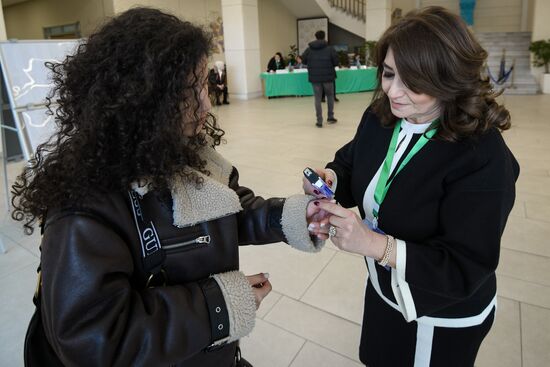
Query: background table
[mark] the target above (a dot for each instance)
(297, 84)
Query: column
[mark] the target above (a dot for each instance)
(3, 149)
(242, 48)
(378, 18)
(3, 35)
(524, 16)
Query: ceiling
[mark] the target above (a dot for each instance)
(300, 9)
(303, 8)
(11, 2)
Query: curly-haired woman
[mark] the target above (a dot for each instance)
(141, 217)
(435, 183)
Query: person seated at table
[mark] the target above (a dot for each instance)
(217, 78)
(276, 63)
(357, 61)
(299, 64)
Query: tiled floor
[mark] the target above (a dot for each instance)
(312, 318)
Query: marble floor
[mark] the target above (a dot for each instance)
(312, 317)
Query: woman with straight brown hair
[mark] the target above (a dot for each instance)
(434, 182)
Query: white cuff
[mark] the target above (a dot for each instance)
(240, 302)
(294, 223)
(335, 182)
(400, 287)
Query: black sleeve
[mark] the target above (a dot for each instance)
(260, 219)
(93, 315)
(305, 56)
(271, 64)
(334, 56)
(342, 165)
(452, 265)
(212, 77)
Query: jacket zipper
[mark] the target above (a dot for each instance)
(199, 240)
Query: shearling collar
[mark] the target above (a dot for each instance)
(214, 199)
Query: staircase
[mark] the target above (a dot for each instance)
(516, 44)
(346, 14)
(354, 8)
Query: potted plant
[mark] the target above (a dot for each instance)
(343, 59)
(290, 60)
(541, 53)
(370, 46)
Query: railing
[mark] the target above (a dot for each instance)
(355, 8)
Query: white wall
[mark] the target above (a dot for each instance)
(198, 11)
(3, 34)
(26, 20)
(452, 5)
(498, 16)
(405, 5)
(541, 19)
(207, 13)
(277, 30)
(541, 28)
(489, 15)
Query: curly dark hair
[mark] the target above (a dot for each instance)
(437, 55)
(123, 98)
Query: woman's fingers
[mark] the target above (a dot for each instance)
(261, 290)
(329, 178)
(334, 209)
(325, 223)
(308, 187)
(257, 279)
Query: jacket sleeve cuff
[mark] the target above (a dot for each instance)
(240, 302)
(400, 287)
(294, 223)
(335, 182)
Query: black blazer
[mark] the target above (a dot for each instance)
(272, 64)
(214, 78)
(449, 204)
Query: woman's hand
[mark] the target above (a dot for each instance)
(315, 216)
(326, 175)
(260, 286)
(350, 233)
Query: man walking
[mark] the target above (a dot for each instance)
(321, 60)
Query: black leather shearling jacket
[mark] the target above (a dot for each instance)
(96, 309)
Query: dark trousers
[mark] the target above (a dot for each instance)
(318, 92)
(334, 84)
(219, 92)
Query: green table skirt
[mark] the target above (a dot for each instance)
(297, 84)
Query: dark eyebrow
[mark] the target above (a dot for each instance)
(386, 66)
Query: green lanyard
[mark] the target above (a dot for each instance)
(383, 184)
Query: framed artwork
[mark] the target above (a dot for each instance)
(306, 31)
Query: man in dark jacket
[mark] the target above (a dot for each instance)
(217, 78)
(321, 60)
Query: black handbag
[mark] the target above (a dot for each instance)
(37, 351)
(240, 361)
